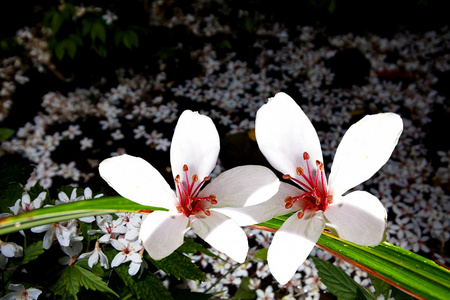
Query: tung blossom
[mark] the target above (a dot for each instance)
(193, 154)
(290, 143)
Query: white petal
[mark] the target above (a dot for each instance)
(163, 232)
(358, 217)
(292, 244)
(134, 268)
(364, 149)
(93, 259)
(136, 179)
(284, 133)
(16, 287)
(34, 293)
(118, 259)
(242, 186)
(265, 211)
(223, 234)
(195, 143)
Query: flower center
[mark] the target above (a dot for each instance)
(189, 203)
(315, 196)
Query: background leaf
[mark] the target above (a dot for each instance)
(338, 282)
(179, 266)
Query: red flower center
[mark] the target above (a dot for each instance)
(315, 196)
(189, 203)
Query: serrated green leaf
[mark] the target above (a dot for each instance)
(6, 133)
(32, 252)
(73, 277)
(56, 21)
(338, 282)
(244, 291)
(97, 268)
(93, 282)
(98, 31)
(10, 195)
(72, 210)
(179, 266)
(381, 287)
(86, 26)
(147, 286)
(60, 49)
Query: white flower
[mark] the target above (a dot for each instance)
(128, 252)
(94, 257)
(194, 152)
(290, 143)
(25, 204)
(20, 293)
(8, 250)
(72, 253)
(109, 227)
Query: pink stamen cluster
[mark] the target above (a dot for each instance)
(316, 195)
(189, 203)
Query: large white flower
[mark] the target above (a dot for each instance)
(193, 154)
(290, 143)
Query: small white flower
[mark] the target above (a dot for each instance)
(86, 143)
(96, 255)
(25, 204)
(128, 252)
(20, 293)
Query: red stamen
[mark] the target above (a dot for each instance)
(189, 203)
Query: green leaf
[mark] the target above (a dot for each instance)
(191, 246)
(147, 286)
(6, 133)
(399, 295)
(56, 21)
(338, 282)
(401, 268)
(98, 31)
(244, 291)
(32, 252)
(130, 39)
(73, 277)
(179, 266)
(72, 210)
(381, 287)
(261, 254)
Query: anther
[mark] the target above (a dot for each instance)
(185, 168)
(301, 213)
(195, 177)
(300, 171)
(305, 155)
(287, 177)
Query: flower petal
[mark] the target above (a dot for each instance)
(135, 179)
(265, 211)
(292, 244)
(223, 234)
(284, 132)
(162, 233)
(242, 186)
(195, 143)
(358, 217)
(364, 149)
